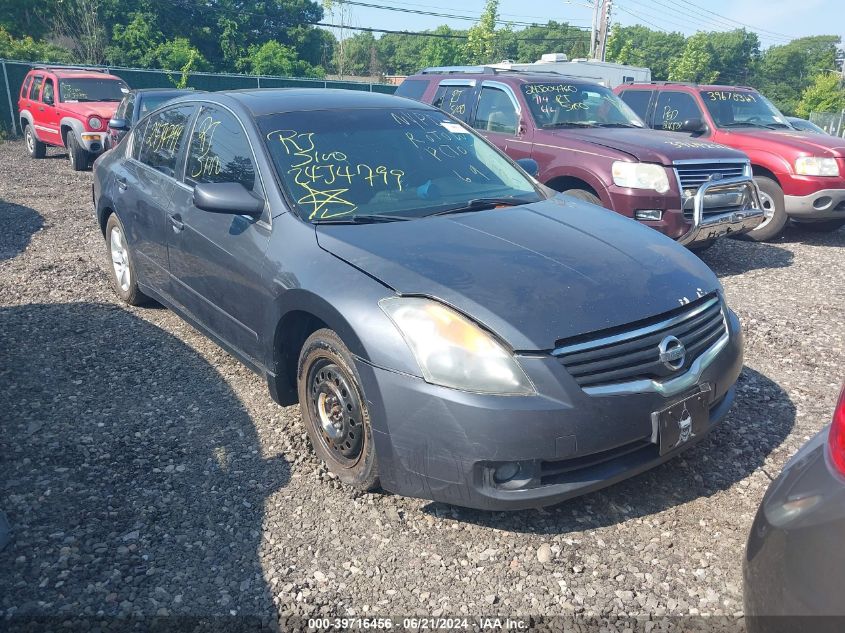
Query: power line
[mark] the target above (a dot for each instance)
(789, 37)
(503, 15)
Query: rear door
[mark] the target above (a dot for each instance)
(217, 259)
(145, 190)
(33, 102)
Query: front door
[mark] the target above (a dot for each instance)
(497, 118)
(217, 259)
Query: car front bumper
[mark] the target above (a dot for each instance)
(825, 204)
(740, 195)
(794, 566)
(93, 142)
(442, 444)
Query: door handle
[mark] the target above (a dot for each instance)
(121, 184)
(176, 222)
(41, 109)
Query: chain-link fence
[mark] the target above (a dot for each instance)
(830, 122)
(15, 71)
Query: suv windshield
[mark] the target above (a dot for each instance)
(84, 90)
(392, 164)
(742, 108)
(563, 104)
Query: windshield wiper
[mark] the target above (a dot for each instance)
(747, 124)
(362, 219)
(619, 125)
(482, 204)
(552, 126)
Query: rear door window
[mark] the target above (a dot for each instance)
(673, 108)
(163, 139)
(35, 91)
(496, 112)
(412, 89)
(638, 101)
(454, 99)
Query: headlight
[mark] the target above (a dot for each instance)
(816, 166)
(452, 351)
(95, 123)
(640, 176)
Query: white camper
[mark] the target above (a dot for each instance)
(604, 73)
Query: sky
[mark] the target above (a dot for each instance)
(775, 21)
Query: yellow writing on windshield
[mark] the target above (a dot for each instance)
(724, 95)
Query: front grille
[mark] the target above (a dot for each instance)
(631, 352)
(692, 175)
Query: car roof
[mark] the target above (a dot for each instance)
(75, 73)
(260, 102)
(164, 91)
(511, 77)
(674, 85)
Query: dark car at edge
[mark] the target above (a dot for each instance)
(137, 103)
(452, 329)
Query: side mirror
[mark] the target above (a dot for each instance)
(693, 125)
(119, 124)
(227, 197)
(48, 100)
(529, 165)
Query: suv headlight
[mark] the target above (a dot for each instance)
(816, 166)
(95, 123)
(452, 351)
(640, 176)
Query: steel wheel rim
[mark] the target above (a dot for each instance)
(336, 412)
(30, 140)
(768, 204)
(120, 259)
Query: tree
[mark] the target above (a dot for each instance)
(26, 18)
(554, 37)
(824, 94)
(274, 58)
(133, 44)
(441, 51)
(728, 57)
(640, 46)
(480, 47)
(28, 49)
(695, 63)
(79, 22)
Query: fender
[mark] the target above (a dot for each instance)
(26, 115)
(771, 161)
(570, 171)
(73, 123)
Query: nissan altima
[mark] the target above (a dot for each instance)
(451, 329)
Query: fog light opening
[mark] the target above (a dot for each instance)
(651, 215)
(506, 472)
(822, 203)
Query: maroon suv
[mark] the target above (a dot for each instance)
(589, 144)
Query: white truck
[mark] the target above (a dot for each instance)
(604, 73)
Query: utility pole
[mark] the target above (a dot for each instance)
(603, 28)
(593, 28)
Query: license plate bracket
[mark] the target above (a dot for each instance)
(683, 421)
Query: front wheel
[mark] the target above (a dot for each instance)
(36, 148)
(583, 194)
(122, 267)
(774, 212)
(822, 226)
(77, 154)
(334, 410)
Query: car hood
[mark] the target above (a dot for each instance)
(651, 146)
(104, 110)
(813, 144)
(534, 274)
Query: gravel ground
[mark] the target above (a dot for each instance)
(147, 473)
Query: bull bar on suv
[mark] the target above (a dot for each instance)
(725, 192)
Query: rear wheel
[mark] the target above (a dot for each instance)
(774, 211)
(36, 148)
(122, 267)
(79, 158)
(334, 410)
(583, 194)
(823, 226)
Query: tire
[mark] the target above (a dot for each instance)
(822, 226)
(36, 148)
(79, 158)
(583, 194)
(122, 267)
(334, 411)
(771, 196)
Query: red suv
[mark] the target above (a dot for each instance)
(68, 107)
(590, 145)
(800, 175)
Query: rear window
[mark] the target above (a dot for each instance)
(637, 100)
(454, 100)
(25, 86)
(412, 89)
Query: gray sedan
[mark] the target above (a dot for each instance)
(795, 559)
(451, 329)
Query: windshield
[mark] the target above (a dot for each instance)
(401, 163)
(84, 90)
(569, 105)
(742, 108)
